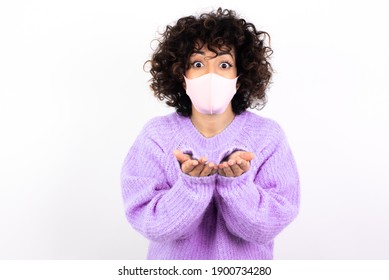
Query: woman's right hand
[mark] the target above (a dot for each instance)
(194, 167)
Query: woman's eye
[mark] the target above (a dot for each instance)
(225, 65)
(197, 64)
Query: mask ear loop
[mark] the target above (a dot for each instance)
(183, 82)
(237, 83)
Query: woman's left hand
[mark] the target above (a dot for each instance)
(236, 164)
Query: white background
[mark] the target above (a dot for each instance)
(73, 97)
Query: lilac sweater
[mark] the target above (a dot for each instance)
(212, 217)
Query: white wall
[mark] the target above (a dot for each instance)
(73, 97)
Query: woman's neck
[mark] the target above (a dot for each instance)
(211, 125)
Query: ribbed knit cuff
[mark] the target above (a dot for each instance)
(199, 183)
(197, 190)
(240, 187)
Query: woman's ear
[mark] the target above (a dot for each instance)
(237, 83)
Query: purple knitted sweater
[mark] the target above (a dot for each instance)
(211, 217)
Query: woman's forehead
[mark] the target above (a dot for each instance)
(203, 49)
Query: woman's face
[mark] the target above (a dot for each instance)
(204, 61)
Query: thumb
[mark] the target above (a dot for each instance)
(247, 156)
(180, 156)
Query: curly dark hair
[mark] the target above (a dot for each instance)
(215, 29)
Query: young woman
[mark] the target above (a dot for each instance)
(212, 180)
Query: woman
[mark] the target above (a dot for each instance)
(212, 180)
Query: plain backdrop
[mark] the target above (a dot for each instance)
(74, 95)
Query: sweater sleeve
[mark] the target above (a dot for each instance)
(159, 210)
(258, 209)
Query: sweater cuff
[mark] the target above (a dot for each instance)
(196, 183)
(197, 188)
(240, 187)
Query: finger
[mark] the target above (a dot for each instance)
(214, 171)
(220, 168)
(208, 167)
(247, 156)
(214, 168)
(199, 168)
(228, 171)
(203, 160)
(189, 165)
(243, 164)
(236, 169)
(223, 165)
(221, 172)
(180, 156)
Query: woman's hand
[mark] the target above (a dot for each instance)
(236, 164)
(193, 167)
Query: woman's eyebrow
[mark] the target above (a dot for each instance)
(198, 52)
(224, 53)
(218, 54)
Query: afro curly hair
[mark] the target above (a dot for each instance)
(217, 30)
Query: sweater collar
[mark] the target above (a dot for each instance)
(223, 138)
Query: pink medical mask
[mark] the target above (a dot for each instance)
(210, 93)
